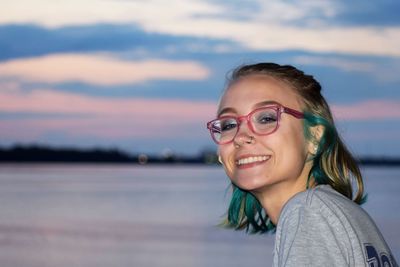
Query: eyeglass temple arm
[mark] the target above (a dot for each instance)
(295, 113)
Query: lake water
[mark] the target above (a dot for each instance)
(142, 216)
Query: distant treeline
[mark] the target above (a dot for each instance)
(39, 154)
(42, 154)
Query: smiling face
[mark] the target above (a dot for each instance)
(259, 163)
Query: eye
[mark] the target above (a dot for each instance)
(228, 124)
(265, 117)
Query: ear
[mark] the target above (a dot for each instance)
(316, 134)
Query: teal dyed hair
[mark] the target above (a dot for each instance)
(246, 212)
(332, 163)
(325, 143)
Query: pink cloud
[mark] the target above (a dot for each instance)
(371, 109)
(373, 135)
(102, 117)
(100, 69)
(47, 101)
(101, 127)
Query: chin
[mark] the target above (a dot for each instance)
(249, 184)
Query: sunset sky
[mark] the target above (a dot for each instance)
(145, 76)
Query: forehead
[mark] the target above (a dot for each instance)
(247, 92)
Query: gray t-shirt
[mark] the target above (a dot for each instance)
(321, 227)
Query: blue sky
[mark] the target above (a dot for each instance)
(145, 76)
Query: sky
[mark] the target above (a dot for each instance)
(146, 76)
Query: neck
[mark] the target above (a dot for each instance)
(273, 200)
(274, 197)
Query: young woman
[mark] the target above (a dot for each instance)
(290, 171)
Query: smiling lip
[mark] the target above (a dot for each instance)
(249, 161)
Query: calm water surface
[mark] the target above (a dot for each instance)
(119, 215)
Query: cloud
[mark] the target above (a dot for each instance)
(339, 63)
(55, 14)
(263, 30)
(51, 101)
(263, 37)
(128, 40)
(385, 70)
(75, 12)
(102, 117)
(368, 110)
(295, 11)
(374, 135)
(99, 69)
(9, 86)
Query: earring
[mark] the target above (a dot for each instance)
(220, 159)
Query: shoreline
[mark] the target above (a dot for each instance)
(47, 155)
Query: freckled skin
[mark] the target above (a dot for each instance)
(285, 173)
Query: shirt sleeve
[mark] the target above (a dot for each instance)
(307, 238)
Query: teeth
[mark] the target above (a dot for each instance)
(251, 160)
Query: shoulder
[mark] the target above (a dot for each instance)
(315, 195)
(319, 205)
(321, 201)
(324, 209)
(327, 225)
(310, 229)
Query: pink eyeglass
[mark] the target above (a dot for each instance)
(261, 121)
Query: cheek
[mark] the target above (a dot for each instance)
(292, 146)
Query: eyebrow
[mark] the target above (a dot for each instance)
(258, 105)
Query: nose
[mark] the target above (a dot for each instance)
(244, 134)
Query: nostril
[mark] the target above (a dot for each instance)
(242, 139)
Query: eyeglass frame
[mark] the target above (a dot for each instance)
(277, 107)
